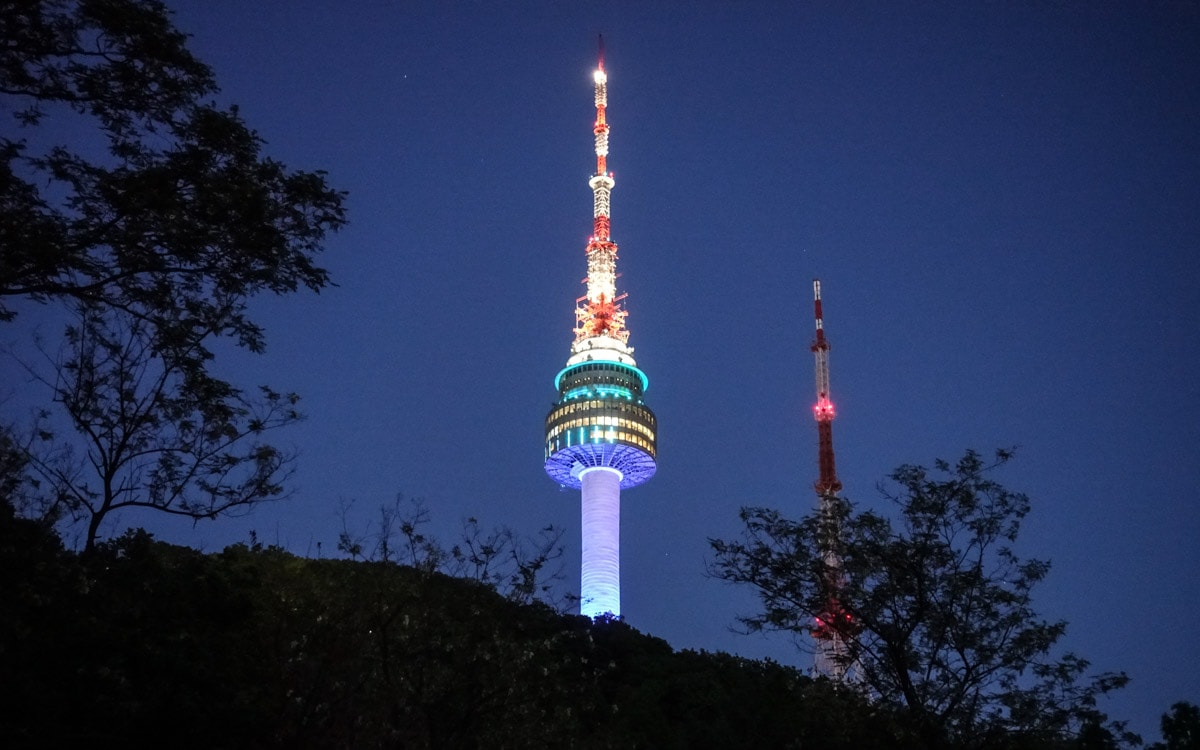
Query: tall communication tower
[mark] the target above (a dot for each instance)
(600, 435)
(831, 653)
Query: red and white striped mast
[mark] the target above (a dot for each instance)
(828, 483)
(831, 657)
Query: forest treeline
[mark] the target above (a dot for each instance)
(142, 643)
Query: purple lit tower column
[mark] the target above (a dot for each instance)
(600, 435)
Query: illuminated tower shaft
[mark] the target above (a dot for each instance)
(828, 630)
(600, 435)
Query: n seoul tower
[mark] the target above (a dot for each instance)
(600, 435)
(830, 628)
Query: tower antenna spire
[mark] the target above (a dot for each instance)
(600, 435)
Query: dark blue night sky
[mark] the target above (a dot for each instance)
(1000, 198)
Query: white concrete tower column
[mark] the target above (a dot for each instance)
(600, 584)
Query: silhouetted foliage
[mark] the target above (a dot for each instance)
(161, 204)
(940, 609)
(1180, 728)
(152, 432)
(522, 568)
(146, 644)
(150, 214)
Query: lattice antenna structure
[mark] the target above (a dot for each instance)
(831, 627)
(827, 483)
(601, 437)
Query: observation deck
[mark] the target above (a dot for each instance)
(600, 419)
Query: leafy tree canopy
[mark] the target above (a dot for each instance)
(145, 195)
(151, 431)
(1180, 728)
(143, 643)
(940, 618)
(148, 211)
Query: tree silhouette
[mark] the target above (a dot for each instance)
(939, 607)
(159, 202)
(150, 430)
(1180, 728)
(133, 200)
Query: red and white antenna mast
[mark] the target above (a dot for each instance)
(828, 483)
(829, 629)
